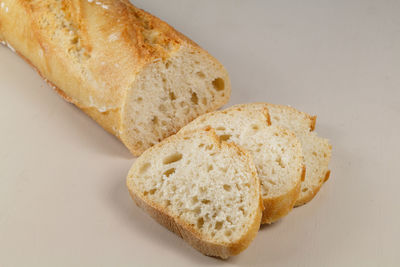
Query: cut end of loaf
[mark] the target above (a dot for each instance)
(169, 93)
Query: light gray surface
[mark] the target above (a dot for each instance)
(63, 200)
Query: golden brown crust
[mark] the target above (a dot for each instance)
(313, 122)
(315, 190)
(187, 232)
(90, 53)
(278, 207)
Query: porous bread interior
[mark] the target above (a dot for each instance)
(170, 93)
(276, 151)
(316, 150)
(293, 119)
(317, 154)
(207, 185)
(285, 116)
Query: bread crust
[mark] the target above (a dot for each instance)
(73, 48)
(314, 191)
(188, 232)
(280, 206)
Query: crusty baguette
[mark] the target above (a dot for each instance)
(276, 152)
(204, 190)
(140, 79)
(316, 150)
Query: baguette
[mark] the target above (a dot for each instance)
(204, 190)
(316, 150)
(135, 75)
(276, 152)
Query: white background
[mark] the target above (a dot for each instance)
(63, 200)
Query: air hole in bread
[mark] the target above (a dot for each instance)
(172, 158)
(225, 137)
(203, 189)
(172, 96)
(201, 74)
(200, 222)
(242, 210)
(154, 120)
(153, 191)
(314, 153)
(271, 182)
(280, 162)
(194, 98)
(227, 187)
(209, 147)
(162, 108)
(201, 145)
(167, 64)
(167, 202)
(218, 225)
(144, 168)
(220, 128)
(276, 118)
(210, 168)
(204, 101)
(197, 210)
(195, 200)
(206, 201)
(139, 99)
(255, 127)
(218, 84)
(228, 233)
(169, 172)
(304, 190)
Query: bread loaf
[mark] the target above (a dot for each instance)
(276, 153)
(204, 190)
(316, 150)
(131, 72)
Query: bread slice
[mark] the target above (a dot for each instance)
(139, 78)
(276, 153)
(316, 150)
(204, 190)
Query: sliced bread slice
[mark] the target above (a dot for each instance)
(276, 153)
(316, 150)
(204, 190)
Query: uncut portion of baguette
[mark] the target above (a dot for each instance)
(276, 153)
(135, 75)
(204, 190)
(316, 150)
